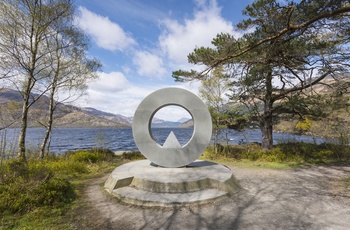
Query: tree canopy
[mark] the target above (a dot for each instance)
(287, 47)
(41, 50)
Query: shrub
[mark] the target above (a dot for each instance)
(303, 125)
(85, 156)
(133, 155)
(210, 153)
(253, 151)
(291, 151)
(68, 168)
(324, 154)
(27, 185)
(55, 191)
(233, 151)
(90, 156)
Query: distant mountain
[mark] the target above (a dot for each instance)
(110, 116)
(159, 123)
(9, 95)
(157, 120)
(184, 120)
(72, 116)
(181, 123)
(65, 115)
(187, 124)
(166, 124)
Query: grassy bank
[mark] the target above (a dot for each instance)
(46, 194)
(285, 153)
(43, 194)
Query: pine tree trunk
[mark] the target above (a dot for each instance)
(266, 118)
(266, 132)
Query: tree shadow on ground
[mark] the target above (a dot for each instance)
(270, 199)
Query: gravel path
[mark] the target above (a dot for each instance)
(306, 198)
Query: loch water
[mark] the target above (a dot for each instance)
(121, 139)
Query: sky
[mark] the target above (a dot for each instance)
(141, 42)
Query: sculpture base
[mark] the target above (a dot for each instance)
(143, 183)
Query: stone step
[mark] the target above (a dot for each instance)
(135, 196)
(172, 187)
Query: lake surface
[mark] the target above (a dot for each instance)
(121, 139)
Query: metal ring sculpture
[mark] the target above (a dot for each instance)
(172, 156)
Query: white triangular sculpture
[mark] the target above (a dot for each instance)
(171, 141)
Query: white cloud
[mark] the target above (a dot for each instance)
(126, 102)
(172, 113)
(178, 40)
(149, 65)
(116, 94)
(109, 82)
(113, 93)
(105, 33)
(201, 3)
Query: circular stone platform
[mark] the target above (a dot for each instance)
(146, 184)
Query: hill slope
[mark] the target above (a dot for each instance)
(338, 120)
(64, 116)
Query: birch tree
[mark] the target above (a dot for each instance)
(25, 26)
(213, 91)
(69, 71)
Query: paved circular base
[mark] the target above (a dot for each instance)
(143, 183)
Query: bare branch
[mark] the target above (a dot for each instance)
(295, 89)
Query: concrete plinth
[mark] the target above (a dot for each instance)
(143, 183)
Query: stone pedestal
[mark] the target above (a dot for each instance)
(145, 184)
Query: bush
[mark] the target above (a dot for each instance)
(309, 151)
(303, 125)
(85, 156)
(292, 151)
(90, 156)
(251, 151)
(67, 168)
(134, 155)
(36, 184)
(27, 185)
(232, 151)
(210, 153)
(274, 155)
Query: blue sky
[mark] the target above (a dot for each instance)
(140, 43)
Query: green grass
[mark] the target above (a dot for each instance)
(282, 156)
(40, 218)
(292, 154)
(46, 194)
(263, 164)
(245, 163)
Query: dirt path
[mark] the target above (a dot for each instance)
(308, 198)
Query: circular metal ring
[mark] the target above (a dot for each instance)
(169, 156)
